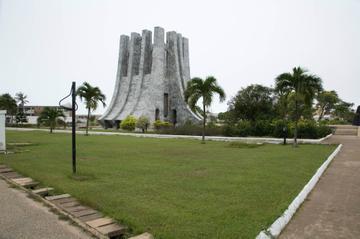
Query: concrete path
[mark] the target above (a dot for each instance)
(22, 217)
(333, 208)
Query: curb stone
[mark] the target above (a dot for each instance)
(280, 223)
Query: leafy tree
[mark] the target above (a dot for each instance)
(128, 123)
(9, 104)
(198, 88)
(344, 111)
(254, 102)
(143, 123)
(92, 96)
(49, 117)
(326, 102)
(21, 99)
(304, 88)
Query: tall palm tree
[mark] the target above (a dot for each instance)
(21, 98)
(49, 117)
(198, 88)
(92, 96)
(303, 86)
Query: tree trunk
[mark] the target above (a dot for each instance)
(204, 124)
(87, 122)
(296, 123)
(51, 129)
(321, 114)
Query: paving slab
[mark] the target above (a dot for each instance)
(112, 230)
(84, 213)
(90, 217)
(332, 210)
(5, 170)
(42, 191)
(145, 235)
(100, 222)
(56, 197)
(70, 204)
(76, 208)
(12, 175)
(63, 200)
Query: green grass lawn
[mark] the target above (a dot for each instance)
(172, 188)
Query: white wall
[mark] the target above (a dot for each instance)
(2, 130)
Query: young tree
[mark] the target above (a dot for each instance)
(49, 117)
(326, 102)
(304, 88)
(92, 96)
(143, 123)
(198, 88)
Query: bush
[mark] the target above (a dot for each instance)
(243, 128)
(306, 129)
(278, 129)
(190, 128)
(262, 128)
(143, 123)
(128, 123)
(161, 125)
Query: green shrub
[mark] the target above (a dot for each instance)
(162, 125)
(323, 130)
(243, 128)
(307, 129)
(128, 123)
(143, 123)
(262, 128)
(278, 129)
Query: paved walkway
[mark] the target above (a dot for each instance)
(333, 208)
(22, 217)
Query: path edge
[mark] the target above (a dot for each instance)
(280, 223)
(58, 210)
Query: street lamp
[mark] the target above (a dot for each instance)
(73, 107)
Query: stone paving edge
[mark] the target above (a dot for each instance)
(280, 223)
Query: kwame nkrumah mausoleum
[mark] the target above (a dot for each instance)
(151, 78)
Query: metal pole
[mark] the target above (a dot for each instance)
(73, 126)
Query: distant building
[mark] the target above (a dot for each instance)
(32, 112)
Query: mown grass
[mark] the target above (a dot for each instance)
(172, 188)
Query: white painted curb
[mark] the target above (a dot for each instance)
(169, 136)
(275, 229)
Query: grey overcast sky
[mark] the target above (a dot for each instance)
(45, 44)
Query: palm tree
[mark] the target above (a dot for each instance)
(49, 116)
(303, 86)
(198, 88)
(92, 96)
(21, 98)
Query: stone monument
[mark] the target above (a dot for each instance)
(151, 78)
(2, 130)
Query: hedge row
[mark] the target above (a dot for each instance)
(306, 129)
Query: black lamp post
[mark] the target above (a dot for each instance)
(73, 109)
